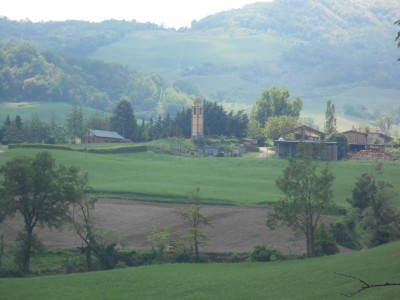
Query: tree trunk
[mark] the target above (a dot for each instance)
(310, 240)
(26, 251)
(89, 258)
(196, 248)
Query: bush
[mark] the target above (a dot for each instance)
(325, 243)
(263, 253)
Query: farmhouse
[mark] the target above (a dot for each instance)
(367, 139)
(103, 136)
(287, 143)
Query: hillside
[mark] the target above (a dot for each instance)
(324, 52)
(343, 51)
(296, 279)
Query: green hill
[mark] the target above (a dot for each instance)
(297, 279)
(235, 181)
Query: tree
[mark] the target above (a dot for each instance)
(385, 123)
(75, 123)
(123, 120)
(306, 195)
(372, 200)
(91, 234)
(330, 119)
(275, 102)
(40, 191)
(195, 218)
(276, 125)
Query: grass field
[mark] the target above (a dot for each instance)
(237, 181)
(141, 50)
(45, 111)
(296, 279)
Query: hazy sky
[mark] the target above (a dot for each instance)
(172, 13)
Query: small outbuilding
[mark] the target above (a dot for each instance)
(103, 136)
(287, 147)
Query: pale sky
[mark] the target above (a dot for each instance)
(171, 13)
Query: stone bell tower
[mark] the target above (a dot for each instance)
(197, 119)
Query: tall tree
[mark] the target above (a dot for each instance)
(330, 118)
(40, 191)
(195, 218)
(275, 102)
(385, 123)
(75, 123)
(306, 195)
(276, 125)
(123, 120)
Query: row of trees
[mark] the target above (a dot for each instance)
(122, 120)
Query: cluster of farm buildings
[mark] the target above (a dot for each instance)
(359, 139)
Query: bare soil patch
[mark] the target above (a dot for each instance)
(235, 229)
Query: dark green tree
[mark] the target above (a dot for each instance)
(123, 120)
(307, 194)
(364, 192)
(330, 118)
(372, 200)
(40, 191)
(37, 131)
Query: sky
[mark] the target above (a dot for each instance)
(170, 13)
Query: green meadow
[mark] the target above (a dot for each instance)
(182, 50)
(296, 279)
(235, 181)
(45, 111)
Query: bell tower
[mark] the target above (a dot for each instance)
(197, 119)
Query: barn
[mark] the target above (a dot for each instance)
(103, 136)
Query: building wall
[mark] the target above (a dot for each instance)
(355, 138)
(288, 149)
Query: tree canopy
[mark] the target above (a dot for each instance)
(273, 103)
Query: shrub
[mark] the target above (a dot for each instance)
(263, 253)
(325, 243)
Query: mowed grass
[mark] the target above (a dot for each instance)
(296, 279)
(236, 181)
(45, 111)
(169, 52)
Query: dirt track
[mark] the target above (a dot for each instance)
(235, 229)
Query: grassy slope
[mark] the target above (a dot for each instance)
(171, 52)
(297, 279)
(45, 111)
(243, 181)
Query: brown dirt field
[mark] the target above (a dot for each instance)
(235, 229)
